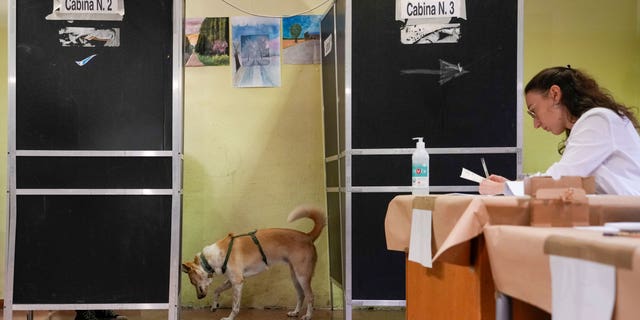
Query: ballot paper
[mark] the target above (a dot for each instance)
(511, 188)
(471, 176)
(420, 240)
(514, 188)
(581, 289)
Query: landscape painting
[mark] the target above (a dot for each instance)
(301, 39)
(207, 42)
(255, 53)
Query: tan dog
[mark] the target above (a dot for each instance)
(245, 255)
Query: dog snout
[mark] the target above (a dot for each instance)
(202, 293)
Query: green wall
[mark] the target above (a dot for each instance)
(253, 154)
(602, 38)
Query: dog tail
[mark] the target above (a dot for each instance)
(315, 214)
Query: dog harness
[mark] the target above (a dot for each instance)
(208, 267)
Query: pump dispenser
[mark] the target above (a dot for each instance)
(420, 169)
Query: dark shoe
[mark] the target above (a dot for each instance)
(85, 315)
(109, 314)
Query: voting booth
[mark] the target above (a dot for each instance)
(448, 71)
(95, 143)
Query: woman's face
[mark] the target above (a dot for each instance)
(547, 112)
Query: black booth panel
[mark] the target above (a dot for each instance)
(329, 94)
(343, 224)
(343, 172)
(444, 169)
(332, 174)
(120, 100)
(94, 172)
(476, 109)
(92, 249)
(388, 108)
(335, 235)
(377, 274)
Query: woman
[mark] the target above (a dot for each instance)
(601, 135)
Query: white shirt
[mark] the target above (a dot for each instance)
(604, 145)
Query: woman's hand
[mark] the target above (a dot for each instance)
(494, 184)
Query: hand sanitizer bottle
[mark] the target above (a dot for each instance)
(420, 169)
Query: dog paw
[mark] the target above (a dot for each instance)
(292, 313)
(305, 317)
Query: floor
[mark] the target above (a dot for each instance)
(245, 314)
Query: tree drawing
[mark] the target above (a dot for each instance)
(295, 30)
(212, 39)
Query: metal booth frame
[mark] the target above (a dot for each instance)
(175, 192)
(344, 159)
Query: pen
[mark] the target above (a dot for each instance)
(622, 234)
(484, 166)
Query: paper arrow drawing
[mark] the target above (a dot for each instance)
(447, 71)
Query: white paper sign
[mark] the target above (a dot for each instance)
(328, 45)
(428, 9)
(96, 10)
(420, 240)
(89, 6)
(581, 289)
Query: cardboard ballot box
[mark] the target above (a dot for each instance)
(532, 184)
(559, 203)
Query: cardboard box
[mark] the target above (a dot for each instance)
(532, 184)
(559, 207)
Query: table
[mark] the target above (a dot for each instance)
(459, 286)
(461, 265)
(521, 248)
(456, 220)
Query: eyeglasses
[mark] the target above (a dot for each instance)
(531, 112)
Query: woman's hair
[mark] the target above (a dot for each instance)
(580, 92)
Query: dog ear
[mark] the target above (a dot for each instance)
(185, 268)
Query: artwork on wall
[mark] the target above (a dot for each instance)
(207, 42)
(255, 52)
(301, 39)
